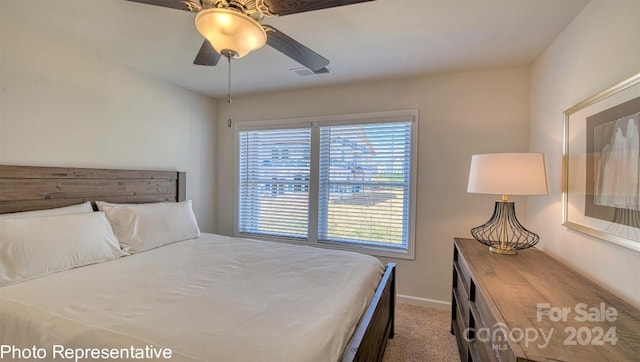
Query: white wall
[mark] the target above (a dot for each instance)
(460, 114)
(62, 105)
(600, 48)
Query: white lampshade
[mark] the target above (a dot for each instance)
(508, 174)
(229, 30)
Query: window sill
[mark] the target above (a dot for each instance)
(362, 249)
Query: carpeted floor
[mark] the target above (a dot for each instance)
(422, 334)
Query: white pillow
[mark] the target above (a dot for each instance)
(141, 227)
(66, 210)
(36, 246)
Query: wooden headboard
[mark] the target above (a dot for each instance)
(25, 188)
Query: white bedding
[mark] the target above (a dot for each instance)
(213, 298)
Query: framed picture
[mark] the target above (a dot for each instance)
(601, 165)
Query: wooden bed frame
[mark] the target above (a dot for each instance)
(25, 188)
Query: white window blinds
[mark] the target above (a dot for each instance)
(365, 183)
(274, 182)
(345, 182)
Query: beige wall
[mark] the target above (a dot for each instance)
(62, 105)
(460, 114)
(600, 48)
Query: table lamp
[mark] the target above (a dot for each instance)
(507, 174)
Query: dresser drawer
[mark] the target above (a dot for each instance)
(461, 295)
(492, 340)
(482, 350)
(462, 270)
(482, 346)
(483, 312)
(460, 330)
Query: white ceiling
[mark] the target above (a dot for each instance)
(371, 40)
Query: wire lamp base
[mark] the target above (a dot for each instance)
(503, 233)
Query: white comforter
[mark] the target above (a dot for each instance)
(214, 299)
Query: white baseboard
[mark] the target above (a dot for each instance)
(423, 302)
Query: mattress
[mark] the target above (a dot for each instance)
(214, 298)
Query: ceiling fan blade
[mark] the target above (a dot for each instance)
(294, 50)
(207, 55)
(174, 4)
(286, 7)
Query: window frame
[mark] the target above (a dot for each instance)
(314, 123)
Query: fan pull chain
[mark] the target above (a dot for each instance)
(229, 91)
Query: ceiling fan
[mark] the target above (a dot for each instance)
(233, 27)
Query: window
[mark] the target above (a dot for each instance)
(340, 181)
(274, 182)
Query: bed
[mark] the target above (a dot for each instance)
(211, 290)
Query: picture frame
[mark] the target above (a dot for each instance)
(600, 168)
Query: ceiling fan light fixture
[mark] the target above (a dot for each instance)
(230, 32)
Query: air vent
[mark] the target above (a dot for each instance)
(306, 72)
